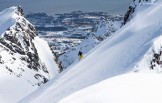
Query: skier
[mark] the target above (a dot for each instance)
(80, 54)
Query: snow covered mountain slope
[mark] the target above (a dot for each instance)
(26, 61)
(72, 56)
(104, 29)
(129, 88)
(121, 53)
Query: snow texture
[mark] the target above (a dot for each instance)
(129, 88)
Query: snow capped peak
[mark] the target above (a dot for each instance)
(9, 17)
(25, 59)
(19, 36)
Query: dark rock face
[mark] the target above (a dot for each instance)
(156, 59)
(130, 11)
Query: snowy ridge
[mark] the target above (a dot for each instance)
(22, 68)
(152, 59)
(7, 19)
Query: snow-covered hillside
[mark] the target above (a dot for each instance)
(26, 61)
(129, 88)
(72, 56)
(128, 50)
(103, 30)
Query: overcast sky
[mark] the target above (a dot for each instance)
(62, 6)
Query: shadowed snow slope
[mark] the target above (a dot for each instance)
(118, 54)
(7, 19)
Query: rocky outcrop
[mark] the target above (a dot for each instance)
(23, 58)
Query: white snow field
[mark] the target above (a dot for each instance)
(129, 88)
(128, 50)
